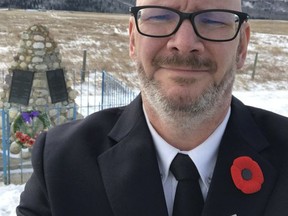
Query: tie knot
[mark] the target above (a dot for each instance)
(183, 168)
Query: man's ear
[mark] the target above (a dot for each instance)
(132, 49)
(243, 45)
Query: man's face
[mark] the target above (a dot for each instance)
(184, 72)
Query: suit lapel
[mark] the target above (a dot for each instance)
(278, 204)
(130, 170)
(241, 138)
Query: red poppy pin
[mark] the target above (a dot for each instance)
(247, 175)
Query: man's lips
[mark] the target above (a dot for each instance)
(185, 69)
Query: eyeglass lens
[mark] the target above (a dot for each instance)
(214, 25)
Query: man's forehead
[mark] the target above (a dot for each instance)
(235, 4)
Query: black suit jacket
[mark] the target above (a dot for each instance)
(106, 165)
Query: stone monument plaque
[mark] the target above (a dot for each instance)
(21, 86)
(57, 85)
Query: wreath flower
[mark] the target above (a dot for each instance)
(247, 175)
(24, 139)
(28, 125)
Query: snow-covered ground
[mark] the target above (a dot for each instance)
(263, 96)
(276, 101)
(9, 197)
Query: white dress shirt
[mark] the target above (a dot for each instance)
(204, 156)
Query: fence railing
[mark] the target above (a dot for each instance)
(100, 90)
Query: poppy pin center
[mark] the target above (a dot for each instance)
(246, 174)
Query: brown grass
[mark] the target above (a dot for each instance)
(269, 27)
(108, 49)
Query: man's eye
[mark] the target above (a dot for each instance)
(212, 22)
(159, 18)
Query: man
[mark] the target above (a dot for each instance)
(121, 161)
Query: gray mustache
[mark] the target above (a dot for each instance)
(193, 62)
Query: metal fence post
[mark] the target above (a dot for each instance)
(255, 65)
(83, 71)
(103, 89)
(5, 145)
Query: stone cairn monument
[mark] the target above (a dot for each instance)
(48, 90)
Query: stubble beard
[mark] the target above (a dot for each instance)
(186, 113)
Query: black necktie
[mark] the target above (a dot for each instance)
(188, 199)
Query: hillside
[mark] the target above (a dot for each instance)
(267, 9)
(263, 9)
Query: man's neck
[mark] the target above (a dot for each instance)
(186, 137)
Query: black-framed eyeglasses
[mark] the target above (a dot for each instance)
(213, 25)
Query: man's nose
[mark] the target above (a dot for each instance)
(185, 39)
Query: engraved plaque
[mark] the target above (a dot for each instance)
(57, 85)
(21, 86)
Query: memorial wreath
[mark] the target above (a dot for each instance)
(28, 125)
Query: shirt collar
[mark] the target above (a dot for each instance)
(204, 156)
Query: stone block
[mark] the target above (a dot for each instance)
(41, 102)
(39, 38)
(38, 45)
(37, 60)
(13, 112)
(40, 52)
(40, 93)
(28, 43)
(23, 65)
(73, 94)
(41, 67)
(25, 36)
(48, 45)
(53, 113)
